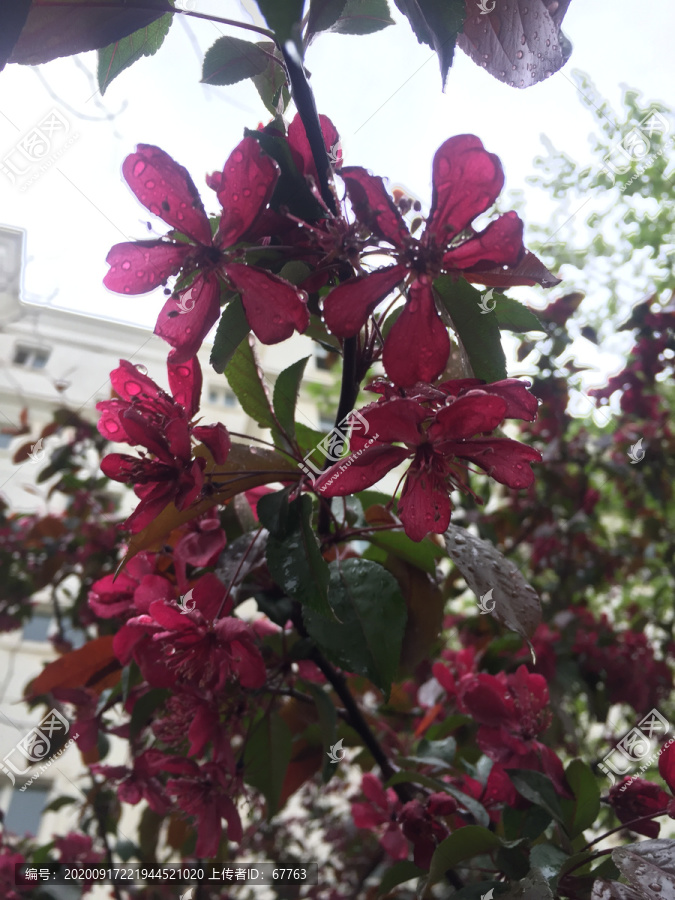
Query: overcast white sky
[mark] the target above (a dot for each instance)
(382, 92)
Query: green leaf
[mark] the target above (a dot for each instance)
(478, 333)
(272, 511)
(271, 84)
(323, 14)
(143, 709)
(549, 860)
(514, 316)
(285, 396)
(232, 329)
(444, 750)
(295, 561)
(401, 871)
(533, 887)
(472, 840)
(117, 57)
(363, 17)
(245, 379)
(363, 596)
(231, 60)
(267, 754)
(422, 554)
(59, 803)
(282, 16)
(436, 23)
(308, 438)
(582, 812)
(537, 788)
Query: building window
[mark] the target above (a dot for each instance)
(37, 628)
(219, 396)
(26, 807)
(324, 359)
(30, 357)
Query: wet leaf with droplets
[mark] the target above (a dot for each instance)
(519, 42)
(484, 568)
(650, 867)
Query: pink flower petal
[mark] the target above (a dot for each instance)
(216, 439)
(501, 243)
(167, 190)
(274, 307)
(299, 145)
(418, 345)
(466, 181)
(424, 505)
(186, 332)
(185, 382)
(365, 471)
(244, 190)
(373, 206)
(141, 266)
(504, 460)
(473, 413)
(347, 307)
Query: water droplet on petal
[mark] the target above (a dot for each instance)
(523, 39)
(238, 156)
(519, 54)
(142, 369)
(139, 168)
(112, 427)
(126, 265)
(132, 388)
(183, 371)
(548, 43)
(247, 192)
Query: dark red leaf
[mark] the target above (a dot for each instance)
(519, 42)
(52, 31)
(530, 270)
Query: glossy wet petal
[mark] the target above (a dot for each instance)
(373, 206)
(141, 266)
(356, 473)
(347, 307)
(418, 345)
(167, 190)
(504, 460)
(245, 187)
(474, 413)
(216, 439)
(466, 181)
(185, 331)
(424, 505)
(501, 243)
(302, 152)
(185, 382)
(274, 307)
